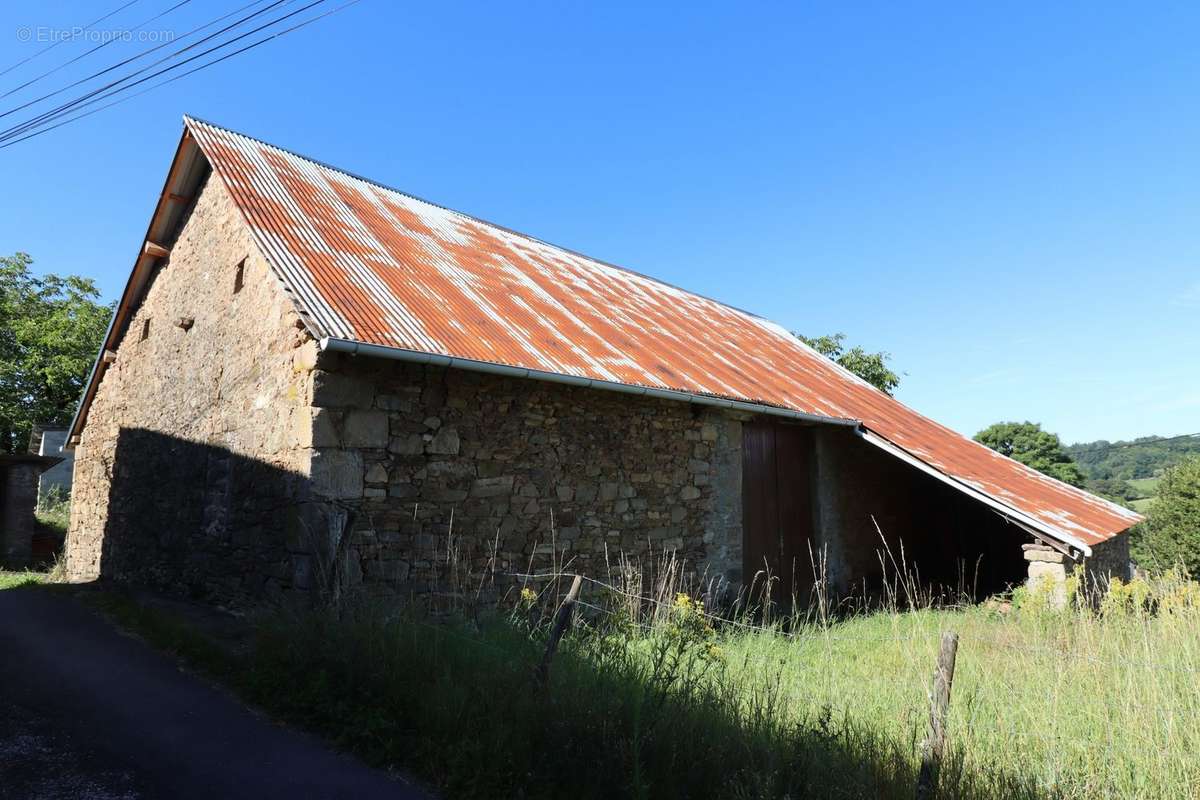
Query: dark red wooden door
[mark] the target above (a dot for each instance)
(777, 509)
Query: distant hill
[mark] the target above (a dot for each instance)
(1128, 471)
(1146, 457)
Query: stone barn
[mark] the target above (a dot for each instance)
(313, 378)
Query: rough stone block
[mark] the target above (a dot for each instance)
(390, 402)
(403, 491)
(444, 442)
(335, 390)
(377, 473)
(395, 571)
(325, 424)
(337, 474)
(1049, 556)
(304, 357)
(443, 494)
(1039, 570)
(492, 487)
(410, 445)
(368, 429)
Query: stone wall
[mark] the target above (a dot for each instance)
(1048, 568)
(1109, 559)
(194, 455)
(224, 457)
(18, 497)
(447, 469)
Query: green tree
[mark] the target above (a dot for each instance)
(50, 330)
(871, 367)
(1028, 443)
(1171, 533)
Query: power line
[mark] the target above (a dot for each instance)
(133, 58)
(57, 42)
(84, 55)
(65, 107)
(174, 78)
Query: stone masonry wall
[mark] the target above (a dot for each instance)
(194, 456)
(434, 461)
(1109, 559)
(1048, 569)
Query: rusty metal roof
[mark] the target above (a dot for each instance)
(373, 265)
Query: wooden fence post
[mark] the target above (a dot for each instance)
(562, 620)
(935, 742)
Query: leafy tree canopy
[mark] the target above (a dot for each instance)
(1171, 534)
(1145, 457)
(871, 367)
(50, 330)
(1028, 443)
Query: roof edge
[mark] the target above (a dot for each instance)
(421, 357)
(1004, 508)
(169, 202)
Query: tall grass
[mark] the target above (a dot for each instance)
(651, 696)
(54, 511)
(654, 693)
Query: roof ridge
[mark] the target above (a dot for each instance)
(188, 119)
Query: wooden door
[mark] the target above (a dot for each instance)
(777, 508)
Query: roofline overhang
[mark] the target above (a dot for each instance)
(187, 167)
(1036, 525)
(352, 347)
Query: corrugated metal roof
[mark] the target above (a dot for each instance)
(372, 265)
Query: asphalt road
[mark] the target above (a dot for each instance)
(87, 712)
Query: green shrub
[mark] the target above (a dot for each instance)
(1170, 536)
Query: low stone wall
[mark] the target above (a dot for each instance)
(453, 471)
(1048, 568)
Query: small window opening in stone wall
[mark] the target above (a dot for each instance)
(239, 276)
(145, 329)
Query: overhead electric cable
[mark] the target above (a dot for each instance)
(57, 42)
(174, 78)
(66, 107)
(130, 60)
(87, 53)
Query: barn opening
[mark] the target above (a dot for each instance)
(820, 504)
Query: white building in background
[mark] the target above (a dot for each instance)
(48, 440)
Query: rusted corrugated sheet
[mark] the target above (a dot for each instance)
(370, 264)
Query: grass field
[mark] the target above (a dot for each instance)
(1046, 704)
(1079, 703)
(1147, 489)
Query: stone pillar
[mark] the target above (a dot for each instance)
(1047, 572)
(19, 498)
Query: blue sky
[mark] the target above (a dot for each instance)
(1004, 198)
